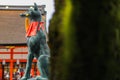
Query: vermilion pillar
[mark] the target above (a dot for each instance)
(11, 63)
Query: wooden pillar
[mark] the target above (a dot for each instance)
(11, 63)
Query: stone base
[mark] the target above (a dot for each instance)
(31, 79)
(38, 78)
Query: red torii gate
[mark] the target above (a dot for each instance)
(12, 60)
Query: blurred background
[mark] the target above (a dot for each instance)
(85, 40)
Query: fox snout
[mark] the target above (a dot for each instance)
(24, 15)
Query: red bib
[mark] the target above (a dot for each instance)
(32, 29)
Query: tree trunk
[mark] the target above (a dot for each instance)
(84, 40)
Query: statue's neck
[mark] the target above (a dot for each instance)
(32, 20)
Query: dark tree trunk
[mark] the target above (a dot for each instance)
(85, 41)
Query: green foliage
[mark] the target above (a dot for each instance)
(85, 40)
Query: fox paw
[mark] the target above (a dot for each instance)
(23, 78)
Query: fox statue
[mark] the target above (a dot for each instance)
(37, 44)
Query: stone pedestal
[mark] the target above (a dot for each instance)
(31, 79)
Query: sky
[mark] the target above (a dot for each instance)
(49, 6)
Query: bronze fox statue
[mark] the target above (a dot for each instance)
(37, 45)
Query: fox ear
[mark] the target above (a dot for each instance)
(35, 7)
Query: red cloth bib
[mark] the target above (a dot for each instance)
(32, 29)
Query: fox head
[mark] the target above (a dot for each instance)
(33, 13)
